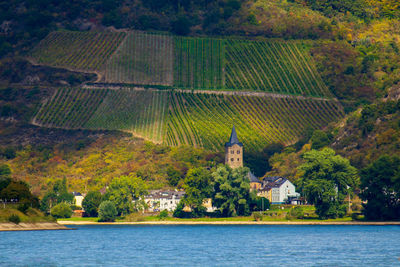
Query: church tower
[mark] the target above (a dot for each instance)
(234, 151)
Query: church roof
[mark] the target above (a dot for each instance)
(233, 139)
(253, 178)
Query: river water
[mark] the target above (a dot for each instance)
(204, 245)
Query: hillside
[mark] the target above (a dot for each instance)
(178, 118)
(141, 58)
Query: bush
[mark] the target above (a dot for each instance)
(257, 216)
(295, 213)
(163, 214)
(14, 219)
(61, 210)
(107, 211)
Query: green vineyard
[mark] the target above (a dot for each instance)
(197, 119)
(139, 58)
(142, 59)
(199, 63)
(85, 51)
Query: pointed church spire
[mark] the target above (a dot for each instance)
(233, 139)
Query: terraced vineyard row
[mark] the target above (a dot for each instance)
(86, 51)
(70, 108)
(142, 59)
(199, 63)
(139, 112)
(271, 66)
(206, 120)
(197, 119)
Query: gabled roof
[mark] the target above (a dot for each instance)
(274, 181)
(233, 140)
(252, 178)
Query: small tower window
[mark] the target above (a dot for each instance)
(232, 159)
(238, 151)
(232, 152)
(238, 159)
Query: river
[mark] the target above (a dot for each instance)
(204, 245)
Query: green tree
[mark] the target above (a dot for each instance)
(319, 139)
(107, 211)
(61, 210)
(231, 193)
(380, 184)
(326, 180)
(5, 176)
(198, 186)
(127, 193)
(57, 194)
(91, 203)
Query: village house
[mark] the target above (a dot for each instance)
(278, 190)
(158, 200)
(78, 198)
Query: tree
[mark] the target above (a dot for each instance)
(319, 139)
(56, 195)
(231, 193)
(198, 186)
(91, 203)
(127, 193)
(326, 180)
(61, 210)
(18, 190)
(5, 176)
(107, 211)
(380, 184)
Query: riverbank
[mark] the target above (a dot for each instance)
(227, 223)
(32, 226)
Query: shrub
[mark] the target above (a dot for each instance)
(14, 219)
(295, 213)
(257, 216)
(107, 211)
(61, 210)
(163, 214)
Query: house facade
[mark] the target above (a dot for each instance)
(280, 190)
(158, 200)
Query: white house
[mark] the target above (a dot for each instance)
(159, 200)
(78, 198)
(281, 188)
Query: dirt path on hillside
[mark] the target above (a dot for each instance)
(211, 92)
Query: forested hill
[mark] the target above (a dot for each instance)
(333, 74)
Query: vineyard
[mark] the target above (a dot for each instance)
(139, 58)
(138, 112)
(198, 63)
(142, 59)
(85, 51)
(206, 119)
(198, 119)
(280, 67)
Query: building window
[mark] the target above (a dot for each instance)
(238, 159)
(238, 152)
(232, 152)
(231, 159)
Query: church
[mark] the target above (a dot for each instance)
(277, 189)
(234, 158)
